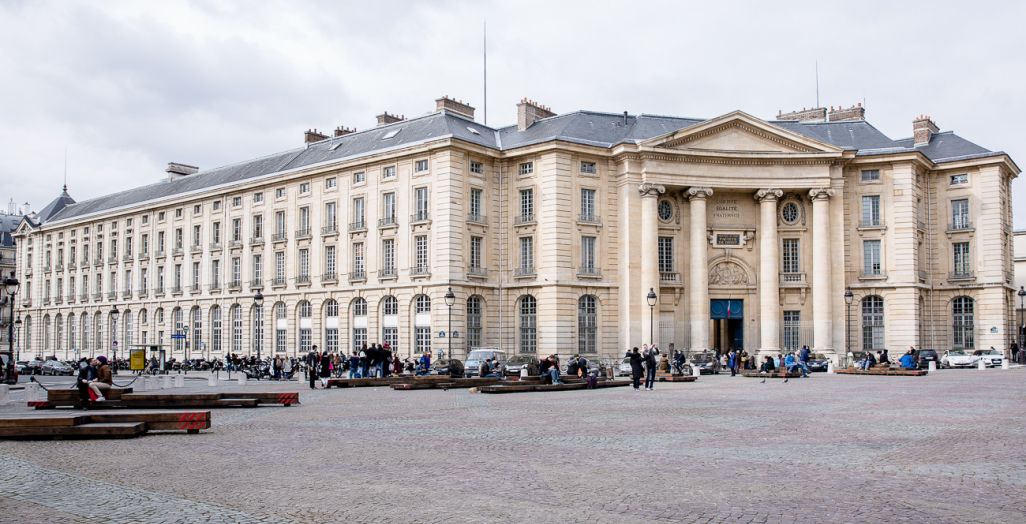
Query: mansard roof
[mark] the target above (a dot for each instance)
(582, 127)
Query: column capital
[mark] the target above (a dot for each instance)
(698, 193)
(820, 193)
(650, 189)
(768, 195)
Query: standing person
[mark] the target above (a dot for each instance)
(336, 363)
(637, 367)
(354, 365)
(732, 362)
(286, 368)
(312, 359)
(103, 380)
(803, 357)
(364, 361)
(650, 367)
(325, 368)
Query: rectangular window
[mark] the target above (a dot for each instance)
(330, 183)
(390, 336)
(792, 330)
(961, 266)
(144, 245)
(526, 205)
(160, 217)
(216, 237)
(475, 204)
(790, 256)
(197, 209)
(196, 240)
(330, 218)
(959, 179)
(304, 188)
(358, 177)
(236, 271)
(388, 207)
(359, 215)
(279, 193)
(331, 341)
(870, 175)
(128, 249)
(329, 261)
(237, 202)
(871, 210)
(421, 262)
(279, 267)
(588, 253)
(304, 263)
(237, 230)
(279, 224)
(258, 270)
(143, 279)
(422, 165)
(960, 214)
(178, 277)
(588, 204)
(179, 238)
(476, 167)
(526, 168)
(217, 205)
(666, 254)
(304, 221)
(160, 279)
(215, 274)
(178, 214)
(871, 258)
(279, 340)
(422, 203)
(527, 253)
(475, 252)
(588, 168)
(258, 198)
(422, 340)
(388, 256)
(358, 267)
(359, 337)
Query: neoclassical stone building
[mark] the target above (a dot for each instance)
(552, 234)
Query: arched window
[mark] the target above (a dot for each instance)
(176, 314)
(128, 330)
(215, 329)
(71, 335)
(390, 322)
(197, 329)
(422, 324)
(305, 327)
(46, 334)
(528, 324)
(84, 326)
(587, 324)
(98, 329)
(258, 328)
(473, 322)
(359, 323)
(962, 323)
(158, 316)
(280, 325)
(59, 322)
(28, 333)
(331, 326)
(236, 329)
(872, 323)
(142, 319)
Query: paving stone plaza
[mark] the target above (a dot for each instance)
(945, 448)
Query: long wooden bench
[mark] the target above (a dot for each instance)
(513, 387)
(59, 398)
(678, 378)
(774, 374)
(890, 372)
(100, 425)
(69, 397)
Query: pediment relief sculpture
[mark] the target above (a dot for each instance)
(728, 274)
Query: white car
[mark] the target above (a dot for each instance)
(990, 357)
(959, 358)
(624, 369)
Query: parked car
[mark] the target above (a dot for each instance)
(707, 363)
(990, 357)
(474, 359)
(922, 358)
(35, 367)
(518, 362)
(447, 367)
(817, 362)
(21, 367)
(959, 358)
(55, 368)
(623, 369)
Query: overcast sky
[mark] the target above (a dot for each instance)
(127, 87)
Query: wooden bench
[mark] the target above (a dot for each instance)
(100, 425)
(889, 372)
(677, 378)
(513, 387)
(70, 397)
(127, 399)
(774, 374)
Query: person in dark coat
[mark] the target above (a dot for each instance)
(312, 359)
(325, 365)
(637, 368)
(85, 374)
(650, 367)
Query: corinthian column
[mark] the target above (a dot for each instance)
(649, 255)
(699, 269)
(822, 322)
(769, 273)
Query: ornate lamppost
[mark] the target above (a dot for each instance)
(258, 300)
(1022, 323)
(848, 298)
(450, 299)
(11, 286)
(651, 314)
(114, 335)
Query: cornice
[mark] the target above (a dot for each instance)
(744, 127)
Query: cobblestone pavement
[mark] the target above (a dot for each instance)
(946, 448)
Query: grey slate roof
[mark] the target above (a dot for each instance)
(8, 223)
(583, 127)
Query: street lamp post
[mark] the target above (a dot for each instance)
(11, 286)
(651, 314)
(258, 300)
(185, 328)
(848, 298)
(114, 335)
(1022, 323)
(450, 299)
(17, 324)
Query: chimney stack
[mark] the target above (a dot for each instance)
(528, 111)
(451, 105)
(312, 135)
(816, 114)
(342, 131)
(922, 129)
(26, 209)
(843, 115)
(386, 118)
(176, 171)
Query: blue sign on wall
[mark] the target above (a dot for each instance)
(727, 309)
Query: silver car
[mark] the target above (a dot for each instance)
(474, 359)
(990, 357)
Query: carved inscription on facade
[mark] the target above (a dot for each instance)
(726, 208)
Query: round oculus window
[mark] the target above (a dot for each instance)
(790, 213)
(665, 210)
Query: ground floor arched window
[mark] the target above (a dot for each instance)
(359, 323)
(179, 327)
(962, 321)
(331, 326)
(305, 327)
(280, 325)
(872, 323)
(528, 324)
(237, 329)
(258, 328)
(422, 324)
(473, 322)
(28, 333)
(587, 324)
(197, 329)
(216, 342)
(390, 322)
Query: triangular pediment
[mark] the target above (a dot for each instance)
(739, 132)
(24, 227)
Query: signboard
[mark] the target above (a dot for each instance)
(177, 337)
(728, 239)
(138, 360)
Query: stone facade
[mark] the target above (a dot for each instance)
(747, 233)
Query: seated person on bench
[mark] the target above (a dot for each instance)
(906, 360)
(768, 366)
(869, 361)
(103, 381)
(550, 366)
(85, 374)
(495, 371)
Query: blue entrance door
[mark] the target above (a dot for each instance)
(723, 309)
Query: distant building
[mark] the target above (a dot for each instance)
(10, 219)
(551, 233)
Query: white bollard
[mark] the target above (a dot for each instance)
(830, 367)
(212, 380)
(179, 381)
(931, 366)
(32, 392)
(1004, 363)
(5, 397)
(141, 384)
(696, 371)
(981, 365)
(242, 379)
(523, 372)
(167, 382)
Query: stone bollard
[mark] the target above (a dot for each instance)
(5, 395)
(830, 367)
(179, 381)
(523, 372)
(167, 382)
(981, 366)
(212, 380)
(141, 384)
(931, 366)
(242, 379)
(32, 392)
(1004, 363)
(696, 371)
